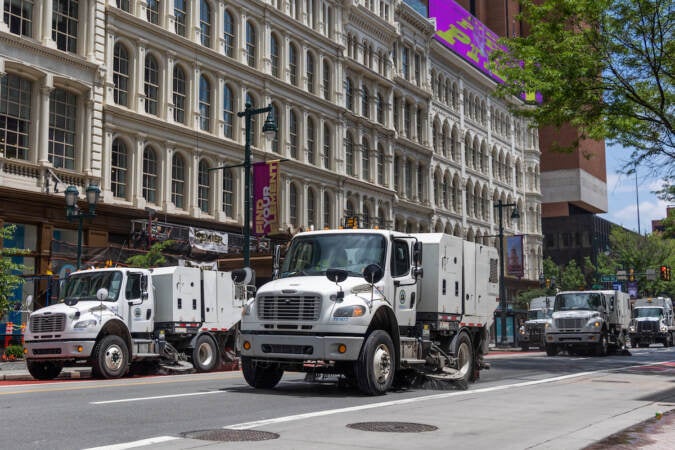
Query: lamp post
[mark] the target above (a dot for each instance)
(502, 289)
(269, 130)
(73, 211)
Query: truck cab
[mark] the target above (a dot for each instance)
(533, 332)
(652, 322)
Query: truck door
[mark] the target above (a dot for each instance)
(405, 284)
(139, 303)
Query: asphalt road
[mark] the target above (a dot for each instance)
(527, 400)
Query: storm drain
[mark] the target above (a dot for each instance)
(222, 435)
(392, 427)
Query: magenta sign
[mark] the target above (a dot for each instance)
(465, 35)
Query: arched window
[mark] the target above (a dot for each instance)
(179, 94)
(309, 69)
(151, 85)
(204, 187)
(228, 112)
(349, 154)
(205, 23)
(293, 205)
(228, 34)
(365, 159)
(311, 207)
(349, 94)
(118, 169)
(380, 109)
(380, 165)
(326, 210)
(311, 141)
(293, 134)
(180, 11)
(293, 64)
(365, 102)
(228, 193)
(121, 75)
(250, 44)
(204, 104)
(274, 54)
(327, 148)
(178, 181)
(326, 80)
(150, 174)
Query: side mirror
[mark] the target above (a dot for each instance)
(102, 294)
(373, 273)
(29, 302)
(417, 253)
(276, 263)
(144, 283)
(243, 276)
(337, 275)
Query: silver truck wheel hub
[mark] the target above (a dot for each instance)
(113, 357)
(205, 354)
(382, 363)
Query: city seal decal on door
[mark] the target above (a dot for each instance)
(401, 298)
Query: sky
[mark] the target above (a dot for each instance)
(622, 200)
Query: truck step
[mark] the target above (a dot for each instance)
(411, 362)
(145, 355)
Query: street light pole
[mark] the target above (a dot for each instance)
(73, 211)
(502, 288)
(269, 129)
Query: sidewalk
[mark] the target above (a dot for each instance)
(657, 433)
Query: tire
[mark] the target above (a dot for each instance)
(43, 370)
(463, 351)
(110, 358)
(635, 343)
(375, 367)
(524, 347)
(205, 354)
(261, 375)
(551, 349)
(601, 347)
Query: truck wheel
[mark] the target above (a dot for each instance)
(634, 343)
(601, 348)
(374, 369)
(551, 349)
(463, 352)
(261, 375)
(205, 354)
(110, 358)
(524, 347)
(43, 370)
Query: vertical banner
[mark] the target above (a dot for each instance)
(514, 256)
(265, 196)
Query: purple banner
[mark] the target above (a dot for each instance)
(265, 196)
(514, 256)
(462, 33)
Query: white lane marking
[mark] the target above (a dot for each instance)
(141, 443)
(140, 399)
(258, 423)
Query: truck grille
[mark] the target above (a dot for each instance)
(289, 307)
(650, 326)
(48, 323)
(570, 324)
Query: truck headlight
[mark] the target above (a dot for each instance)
(631, 329)
(350, 311)
(85, 324)
(596, 324)
(663, 328)
(521, 330)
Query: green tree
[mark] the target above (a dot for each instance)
(603, 66)
(571, 278)
(151, 258)
(9, 270)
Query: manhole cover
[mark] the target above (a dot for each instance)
(230, 435)
(392, 427)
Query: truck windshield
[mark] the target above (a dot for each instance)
(647, 312)
(83, 286)
(570, 302)
(537, 314)
(313, 254)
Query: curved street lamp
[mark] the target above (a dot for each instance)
(73, 211)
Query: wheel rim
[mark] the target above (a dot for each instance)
(205, 354)
(463, 359)
(381, 363)
(114, 358)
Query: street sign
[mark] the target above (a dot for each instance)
(596, 286)
(608, 278)
(616, 286)
(621, 275)
(651, 274)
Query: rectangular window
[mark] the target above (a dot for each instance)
(18, 15)
(228, 194)
(65, 21)
(15, 103)
(62, 118)
(180, 14)
(153, 11)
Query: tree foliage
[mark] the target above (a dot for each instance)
(152, 258)
(9, 270)
(571, 278)
(603, 66)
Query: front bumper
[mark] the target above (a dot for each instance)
(59, 349)
(647, 336)
(300, 348)
(573, 338)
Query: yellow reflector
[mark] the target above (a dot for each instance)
(79, 349)
(342, 348)
(25, 351)
(247, 345)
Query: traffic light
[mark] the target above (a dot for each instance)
(664, 272)
(631, 275)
